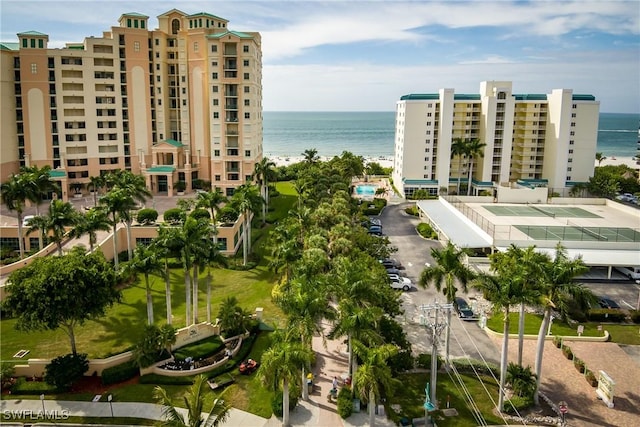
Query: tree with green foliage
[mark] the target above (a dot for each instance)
(473, 148)
(61, 292)
(559, 290)
(605, 181)
(146, 261)
(263, 173)
(96, 183)
(233, 318)
(450, 266)
(458, 148)
(41, 183)
(15, 192)
(193, 400)
(374, 375)
(115, 202)
(600, 157)
(153, 343)
(90, 223)
(60, 217)
(528, 265)
(503, 292)
(247, 200)
(212, 200)
(281, 364)
(64, 371)
(310, 156)
(166, 245)
(522, 380)
(38, 223)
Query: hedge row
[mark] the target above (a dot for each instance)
(22, 386)
(606, 315)
(200, 349)
(122, 372)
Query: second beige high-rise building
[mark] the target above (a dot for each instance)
(180, 104)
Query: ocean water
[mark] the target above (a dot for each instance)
(371, 133)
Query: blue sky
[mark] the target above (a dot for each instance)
(362, 56)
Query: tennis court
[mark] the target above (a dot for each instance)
(577, 233)
(536, 211)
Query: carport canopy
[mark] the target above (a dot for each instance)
(459, 229)
(595, 257)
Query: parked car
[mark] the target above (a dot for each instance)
(606, 302)
(375, 221)
(463, 309)
(631, 272)
(393, 270)
(627, 197)
(390, 263)
(26, 219)
(398, 282)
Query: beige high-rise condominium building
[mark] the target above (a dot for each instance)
(181, 103)
(534, 139)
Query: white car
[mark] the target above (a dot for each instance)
(26, 220)
(403, 283)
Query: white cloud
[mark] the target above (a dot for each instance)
(491, 59)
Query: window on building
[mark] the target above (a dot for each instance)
(217, 177)
(570, 161)
(216, 153)
(247, 115)
(430, 105)
(33, 43)
(245, 62)
(196, 46)
(214, 63)
(214, 48)
(570, 151)
(428, 132)
(245, 49)
(571, 142)
(247, 103)
(572, 133)
(426, 150)
(573, 115)
(25, 43)
(157, 42)
(569, 169)
(573, 124)
(247, 153)
(216, 115)
(428, 114)
(215, 89)
(41, 43)
(246, 89)
(568, 178)
(34, 68)
(246, 76)
(136, 46)
(214, 76)
(215, 101)
(574, 106)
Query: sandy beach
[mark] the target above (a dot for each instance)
(615, 161)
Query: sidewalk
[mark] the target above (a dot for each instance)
(331, 361)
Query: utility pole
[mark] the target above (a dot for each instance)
(436, 328)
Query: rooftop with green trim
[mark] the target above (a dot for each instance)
(161, 169)
(136, 14)
(9, 46)
(207, 15)
(173, 142)
(32, 33)
(57, 173)
(235, 33)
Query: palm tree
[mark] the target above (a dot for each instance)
(560, 288)
(211, 257)
(286, 247)
(449, 267)
(530, 266)
(503, 292)
(212, 200)
(38, 222)
(600, 158)
(522, 380)
(262, 173)
(246, 200)
(115, 202)
(146, 261)
(194, 402)
(61, 216)
(310, 156)
(458, 148)
(90, 223)
(96, 183)
(305, 305)
(41, 183)
(15, 192)
(374, 374)
(167, 244)
(281, 363)
(473, 148)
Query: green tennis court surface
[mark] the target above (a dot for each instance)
(577, 233)
(539, 211)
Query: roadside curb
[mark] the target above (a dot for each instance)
(605, 338)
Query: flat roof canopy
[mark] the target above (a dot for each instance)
(457, 227)
(596, 257)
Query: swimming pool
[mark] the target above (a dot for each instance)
(366, 190)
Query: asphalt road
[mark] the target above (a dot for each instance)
(414, 253)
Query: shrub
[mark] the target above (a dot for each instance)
(557, 341)
(412, 210)
(426, 231)
(606, 315)
(517, 403)
(7, 371)
(345, 402)
(63, 371)
(522, 380)
(635, 316)
(147, 216)
(228, 214)
(122, 372)
(424, 361)
(566, 350)
(591, 378)
(276, 402)
(473, 366)
(200, 213)
(22, 386)
(174, 215)
(579, 364)
(181, 186)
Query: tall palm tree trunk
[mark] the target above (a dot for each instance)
(59, 246)
(285, 402)
(167, 291)
(350, 355)
(208, 295)
(149, 300)
(127, 224)
(546, 319)
(195, 293)
(470, 176)
(305, 387)
(187, 285)
(520, 334)
(20, 240)
(504, 358)
(245, 243)
(459, 173)
(115, 241)
(372, 408)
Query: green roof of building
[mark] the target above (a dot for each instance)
(420, 181)
(466, 97)
(56, 173)
(206, 14)
(418, 96)
(577, 97)
(174, 142)
(161, 169)
(9, 46)
(235, 33)
(32, 33)
(76, 46)
(531, 97)
(136, 14)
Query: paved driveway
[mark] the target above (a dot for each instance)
(414, 252)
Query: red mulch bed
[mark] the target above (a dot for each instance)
(94, 385)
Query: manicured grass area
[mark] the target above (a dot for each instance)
(411, 398)
(621, 334)
(123, 324)
(122, 421)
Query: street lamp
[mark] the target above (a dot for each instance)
(110, 398)
(42, 400)
(550, 323)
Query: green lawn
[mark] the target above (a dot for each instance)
(123, 324)
(411, 397)
(620, 333)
